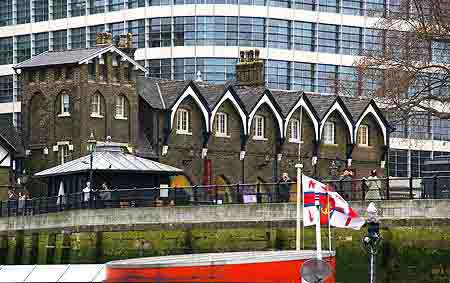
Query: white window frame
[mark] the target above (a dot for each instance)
(63, 112)
(294, 126)
(96, 100)
(183, 122)
(329, 133)
(120, 108)
(259, 132)
(63, 153)
(222, 125)
(363, 139)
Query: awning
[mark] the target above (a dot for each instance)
(111, 161)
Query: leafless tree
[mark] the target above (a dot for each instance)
(409, 60)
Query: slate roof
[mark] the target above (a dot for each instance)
(286, 99)
(49, 58)
(321, 103)
(159, 93)
(110, 160)
(13, 138)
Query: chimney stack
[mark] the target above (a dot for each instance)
(250, 69)
(104, 38)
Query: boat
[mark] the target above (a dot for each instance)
(231, 267)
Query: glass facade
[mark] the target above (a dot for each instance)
(74, 8)
(78, 38)
(59, 40)
(40, 43)
(6, 89)
(23, 48)
(6, 13)
(406, 163)
(92, 37)
(23, 11)
(137, 28)
(304, 36)
(77, 8)
(6, 50)
(214, 70)
(59, 8)
(40, 10)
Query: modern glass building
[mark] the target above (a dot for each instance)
(306, 44)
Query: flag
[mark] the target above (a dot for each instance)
(333, 207)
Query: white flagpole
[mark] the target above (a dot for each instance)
(318, 238)
(329, 225)
(299, 167)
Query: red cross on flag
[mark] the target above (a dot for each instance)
(333, 207)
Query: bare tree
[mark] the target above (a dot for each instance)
(408, 58)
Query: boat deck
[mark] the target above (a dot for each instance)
(211, 259)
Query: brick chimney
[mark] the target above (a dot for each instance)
(250, 69)
(104, 38)
(124, 42)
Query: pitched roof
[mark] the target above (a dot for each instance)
(249, 96)
(355, 105)
(286, 99)
(49, 58)
(73, 56)
(110, 160)
(13, 138)
(321, 103)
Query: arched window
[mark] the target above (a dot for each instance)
(121, 107)
(222, 125)
(363, 135)
(64, 104)
(183, 122)
(259, 127)
(329, 133)
(294, 130)
(97, 105)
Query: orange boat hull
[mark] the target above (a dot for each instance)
(263, 272)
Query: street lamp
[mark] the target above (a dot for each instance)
(91, 144)
(372, 241)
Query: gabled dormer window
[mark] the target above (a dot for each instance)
(294, 130)
(363, 135)
(259, 128)
(183, 120)
(329, 133)
(222, 125)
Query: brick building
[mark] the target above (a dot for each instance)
(67, 95)
(233, 132)
(249, 134)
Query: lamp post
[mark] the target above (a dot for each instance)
(91, 143)
(372, 241)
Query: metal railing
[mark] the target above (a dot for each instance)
(352, 190)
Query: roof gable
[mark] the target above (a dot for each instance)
(73, 56)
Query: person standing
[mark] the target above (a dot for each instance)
(345, 184)
(373, 187)
(284, 188)
(87, 194)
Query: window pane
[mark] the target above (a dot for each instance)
(78, 8)
(59, 9)
(23, 48)
(40, 43)
(6, 50)
(6, 13)
(40, 10)
(6, 88)
(60, 40)
(23, 11)
(78, 37)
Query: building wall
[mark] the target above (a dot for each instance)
(260, 163)
(44, 127)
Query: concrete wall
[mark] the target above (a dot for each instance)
(413, 211)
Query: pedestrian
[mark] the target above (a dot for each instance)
(345, 184)
(285, 190)
(21, 201)
(87, 193)
(105, 195)
(373, 186)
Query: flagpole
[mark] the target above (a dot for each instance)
(299, 203)
(329, 225)
(318, 238)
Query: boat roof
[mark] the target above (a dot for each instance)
(53, 273)
(216, 259)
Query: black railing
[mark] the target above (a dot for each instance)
(357, 189)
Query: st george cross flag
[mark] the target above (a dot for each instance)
(333, 207)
